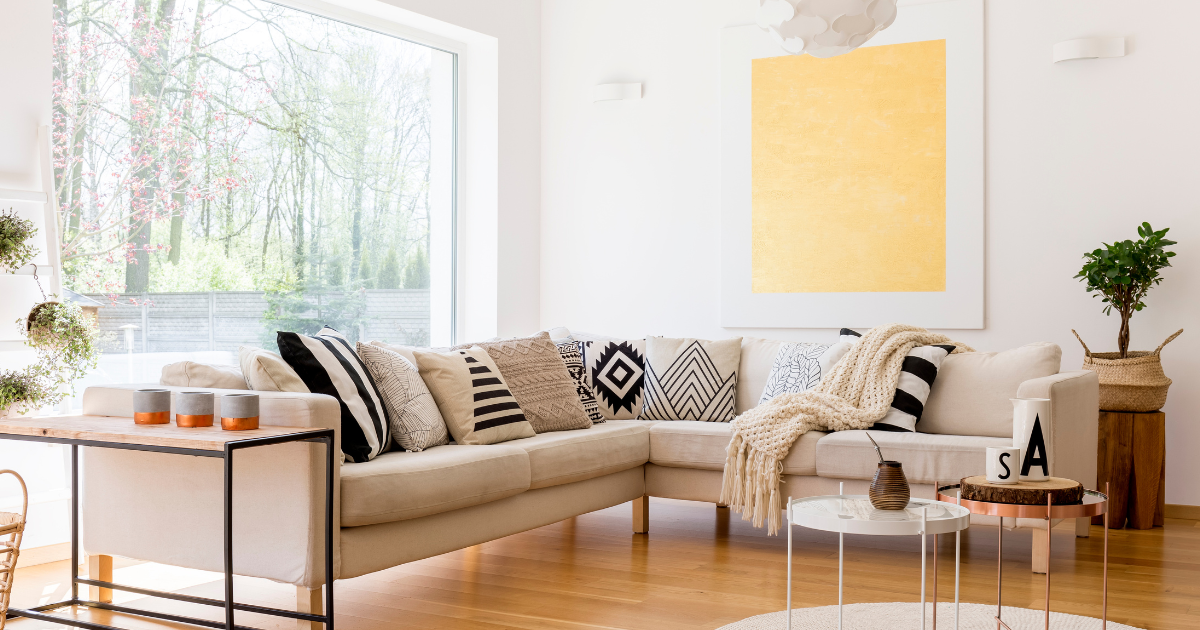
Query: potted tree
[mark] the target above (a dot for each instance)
(1122, 273)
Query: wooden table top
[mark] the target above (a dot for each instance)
(124, 431)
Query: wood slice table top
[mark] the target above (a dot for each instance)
(124, 431)
(1061, 491)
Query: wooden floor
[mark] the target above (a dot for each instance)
(699, 567)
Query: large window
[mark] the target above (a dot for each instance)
(229, 168)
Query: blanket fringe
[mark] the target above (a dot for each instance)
(750, 485)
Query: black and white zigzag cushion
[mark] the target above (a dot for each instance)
(917, 374)
(691, 379)
(327, 364)
(571, 352)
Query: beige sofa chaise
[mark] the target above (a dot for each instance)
(403, 506)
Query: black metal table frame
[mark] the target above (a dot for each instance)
(325, 436)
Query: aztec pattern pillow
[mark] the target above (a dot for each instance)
(328, 365)
(917, 373)
(572, 355)
(415, 422)
(691, 379)
(799, 367)
(615, 372)
(539, 381)
(470, 391)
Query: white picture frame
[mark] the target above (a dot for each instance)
(961, 305)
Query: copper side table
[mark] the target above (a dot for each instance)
(1094, 504)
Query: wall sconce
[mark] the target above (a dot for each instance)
(617, 92)
(1090, 48)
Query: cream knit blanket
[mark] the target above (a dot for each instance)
(856, 393)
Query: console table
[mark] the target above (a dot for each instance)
(122, 433)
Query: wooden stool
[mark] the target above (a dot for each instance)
(1132, 458)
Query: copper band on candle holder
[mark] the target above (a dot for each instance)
(152, 417)
(239, 424)
(197, 420)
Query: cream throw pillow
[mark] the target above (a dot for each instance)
(266, 371)
(416, 423)
(207, 375)
(473, 397)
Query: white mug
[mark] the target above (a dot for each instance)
(1031, 418)
(1003, 464)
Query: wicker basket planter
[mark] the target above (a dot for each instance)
(1135, 383)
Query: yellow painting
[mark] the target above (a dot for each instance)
(849, 171)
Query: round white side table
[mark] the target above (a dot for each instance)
(854, 514)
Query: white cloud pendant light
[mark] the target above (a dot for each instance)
(824, 28)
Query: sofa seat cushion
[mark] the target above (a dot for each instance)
(397, 486)
(926, 457)
(702, 445)
(565, 457)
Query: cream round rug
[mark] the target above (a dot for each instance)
(901, 616)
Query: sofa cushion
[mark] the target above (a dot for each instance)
(205, 375)
(927, 458)
(702, 445)
(569, 456)
(758, 355)
(691, 379)
(971, 396)
(398, 486)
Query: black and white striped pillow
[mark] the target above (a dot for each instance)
(327, 364)
(917, 373)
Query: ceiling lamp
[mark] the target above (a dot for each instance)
(824, 28)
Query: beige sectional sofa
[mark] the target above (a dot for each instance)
(403, 506)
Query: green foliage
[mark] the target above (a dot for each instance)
(365, 274)
(1122, 273)
(335, 274)
(21, 388)
(15, 234)
(65, 340)
(389, 271)
(416, 274)
(308, 308)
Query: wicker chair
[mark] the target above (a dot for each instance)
(12, 528)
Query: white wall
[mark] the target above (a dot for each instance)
(1077, 153)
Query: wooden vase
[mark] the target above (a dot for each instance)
(889, 488)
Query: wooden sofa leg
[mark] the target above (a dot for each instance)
(1041, 554)
(309, 600)
(100, 568)
(1083, 527)
(641, 514)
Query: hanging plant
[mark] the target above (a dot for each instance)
(20, 392)
(15, 234)
(64, 337)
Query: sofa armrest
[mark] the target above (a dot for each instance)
(175, 501)
(1072, 432)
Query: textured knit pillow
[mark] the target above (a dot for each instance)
(415, 422)
(328, 365)
(615, 371)
(471, 394)
(917, 373)
(572, 355)
(539, 381)
(691, 379)
(799, 367)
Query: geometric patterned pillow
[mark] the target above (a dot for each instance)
(572, 355)
(615, 372)
(691, 379)
(415, 422)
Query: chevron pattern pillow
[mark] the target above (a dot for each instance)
(691, 379)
